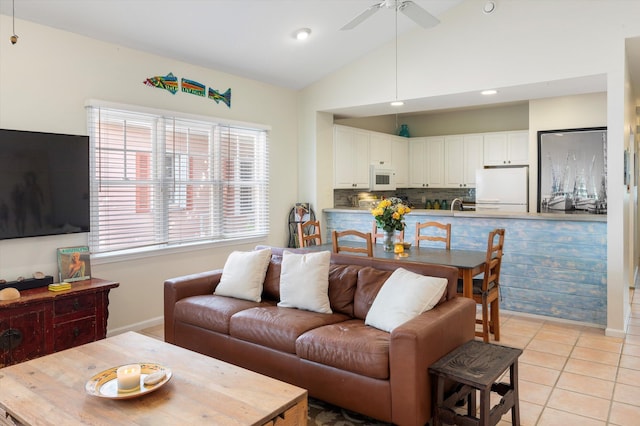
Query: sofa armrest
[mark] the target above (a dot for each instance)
(417, 344)
(186, 286)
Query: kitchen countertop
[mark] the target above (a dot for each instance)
(566, 216)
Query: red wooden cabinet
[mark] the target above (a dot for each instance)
(41, 322)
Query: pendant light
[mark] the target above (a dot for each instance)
(397, 102)
(14, 37)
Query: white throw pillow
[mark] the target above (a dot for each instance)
(304, 281)
(243, 275)
(404, 296)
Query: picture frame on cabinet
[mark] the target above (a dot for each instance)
(74, 264)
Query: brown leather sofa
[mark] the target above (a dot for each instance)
(334, 356)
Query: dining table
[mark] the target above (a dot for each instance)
(469, 262)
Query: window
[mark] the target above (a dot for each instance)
(159, 180)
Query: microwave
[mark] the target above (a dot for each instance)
(382, 179)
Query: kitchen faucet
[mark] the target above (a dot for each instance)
(453, 203)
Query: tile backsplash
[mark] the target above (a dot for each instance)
(416, 197)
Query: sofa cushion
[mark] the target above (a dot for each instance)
(277, 328)
(343, 280)
(348, 345)
(211, 312)
(243, 275)
(404, 296)
(304, 281)
(370, 281)
(271, 285)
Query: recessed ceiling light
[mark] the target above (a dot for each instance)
(397, 103)
(303, 33)
(489, 7)
(489, 92)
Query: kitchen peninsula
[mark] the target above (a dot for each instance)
(554, 265)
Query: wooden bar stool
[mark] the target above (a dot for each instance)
(477, 366)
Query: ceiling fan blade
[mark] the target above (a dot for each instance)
(362, 17)
(418, 14)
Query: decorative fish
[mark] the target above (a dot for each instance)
(217, 96)
(193, 87)
(168, 82)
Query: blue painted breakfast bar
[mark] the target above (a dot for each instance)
(554, 265)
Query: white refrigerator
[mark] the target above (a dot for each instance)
(502, 189)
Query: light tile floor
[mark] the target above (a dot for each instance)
(575, 375)
(569, 374)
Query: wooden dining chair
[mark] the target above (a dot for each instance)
(433, 231)
(375, 234)
(306, 238)
(337, 248)
(486, 290)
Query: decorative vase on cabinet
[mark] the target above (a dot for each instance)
(404, 130)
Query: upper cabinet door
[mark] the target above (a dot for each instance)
(380, 151)
(400, 160)
(454, 159)
(426, 162)
(495, 149)
(518, 146)
(435, 162)
(506, 148)
(473, 158)
(350, 158)
(417, 166)
(463, 155)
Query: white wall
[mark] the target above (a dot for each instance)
(45, 80)
(566, 112)
(523, 42)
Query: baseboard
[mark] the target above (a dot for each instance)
(550, 319)
(614, 332)
(137, 326)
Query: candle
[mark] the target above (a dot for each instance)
(128, 377)
(398, 247)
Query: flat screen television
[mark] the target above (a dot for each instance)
(44, 184)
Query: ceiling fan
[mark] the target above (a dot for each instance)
(409, 8)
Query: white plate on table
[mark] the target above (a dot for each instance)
(105, 383)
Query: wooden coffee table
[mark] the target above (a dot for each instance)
(202, 390)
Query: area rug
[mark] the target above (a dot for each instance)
(324, 414)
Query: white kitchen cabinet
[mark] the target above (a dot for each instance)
(350, 158)
(463, 155)
(454, 161)
(506, 148)
(426, 162)
(400, 160)
(380, 149)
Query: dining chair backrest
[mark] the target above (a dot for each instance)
(433, 231)
(337, 247)
(305, 237)
(493, 262)
(375, 234)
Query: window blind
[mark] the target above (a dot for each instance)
(159, 180)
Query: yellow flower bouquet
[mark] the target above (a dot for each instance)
(389, 214)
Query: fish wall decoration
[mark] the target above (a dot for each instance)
(193, 87)
(170, 83)
(217, 96)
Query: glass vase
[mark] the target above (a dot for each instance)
(388, 240)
